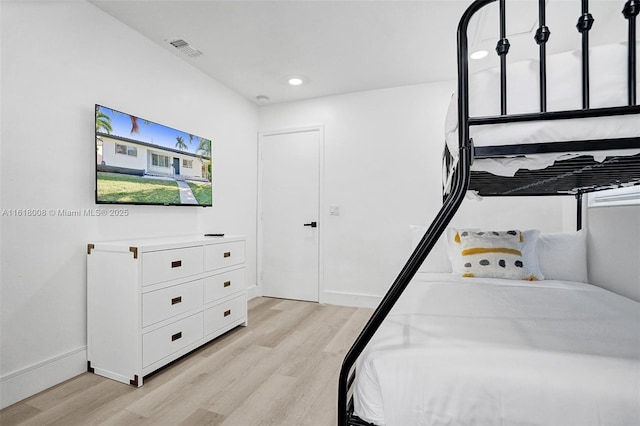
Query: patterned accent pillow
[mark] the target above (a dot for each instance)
(492, 254)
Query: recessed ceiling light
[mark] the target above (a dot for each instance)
(295, 81)
(479, 54)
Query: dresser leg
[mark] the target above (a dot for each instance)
(134, 381)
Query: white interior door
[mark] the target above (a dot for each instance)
(290, 195)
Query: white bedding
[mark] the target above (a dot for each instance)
(608, 88)
(470, 351)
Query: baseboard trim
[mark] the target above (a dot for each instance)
(351, 299)
(252, 292)
(28, 381)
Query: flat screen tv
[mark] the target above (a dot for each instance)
(142, 162)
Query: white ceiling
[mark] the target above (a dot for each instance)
(253, 47)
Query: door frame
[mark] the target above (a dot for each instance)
(321, 203)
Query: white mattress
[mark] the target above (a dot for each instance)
(469, 351)
(608, 88)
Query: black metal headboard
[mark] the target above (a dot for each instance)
(534, 182)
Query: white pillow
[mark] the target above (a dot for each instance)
(437, 260)
(529, 251)
(563, 256)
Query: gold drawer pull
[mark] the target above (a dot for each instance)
(176, 336)
(176, 263)
(227, 283)
(176, 300)
(227, 312)
(227, 254)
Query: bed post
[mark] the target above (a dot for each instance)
(541, 37)
(630, 11)
(578, 211)
(585, 22)
(436, 229)
(502, 48)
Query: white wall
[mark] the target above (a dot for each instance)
(58, 60)
(614, 249)
(383, 168)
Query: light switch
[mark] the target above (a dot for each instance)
(334, 210)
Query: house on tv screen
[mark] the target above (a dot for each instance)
(118, 154)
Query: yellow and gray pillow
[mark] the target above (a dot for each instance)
(492, 254)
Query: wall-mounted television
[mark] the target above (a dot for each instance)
(142, 162)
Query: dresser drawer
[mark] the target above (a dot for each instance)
(168, 302)
(165, 265)
(222, 285)
(221, 255)
(225, 313)
(164, 341)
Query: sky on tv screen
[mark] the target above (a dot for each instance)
(150, 132)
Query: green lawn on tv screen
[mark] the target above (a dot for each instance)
(120, 188)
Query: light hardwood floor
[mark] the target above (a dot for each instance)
(280, 370)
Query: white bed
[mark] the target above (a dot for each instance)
(608, 83)
(478, 351)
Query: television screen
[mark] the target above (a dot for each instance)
(142, 162)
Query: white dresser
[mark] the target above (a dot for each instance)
(151, 301)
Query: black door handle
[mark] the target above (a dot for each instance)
(312, 224)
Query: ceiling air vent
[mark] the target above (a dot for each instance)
(185, 48)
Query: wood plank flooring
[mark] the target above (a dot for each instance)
(280, 370)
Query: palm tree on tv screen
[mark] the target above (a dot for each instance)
(204, 153)
(103, 122)
(204, 149)
(134, 124)
(180, 144)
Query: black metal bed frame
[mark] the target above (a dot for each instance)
(569, 177)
